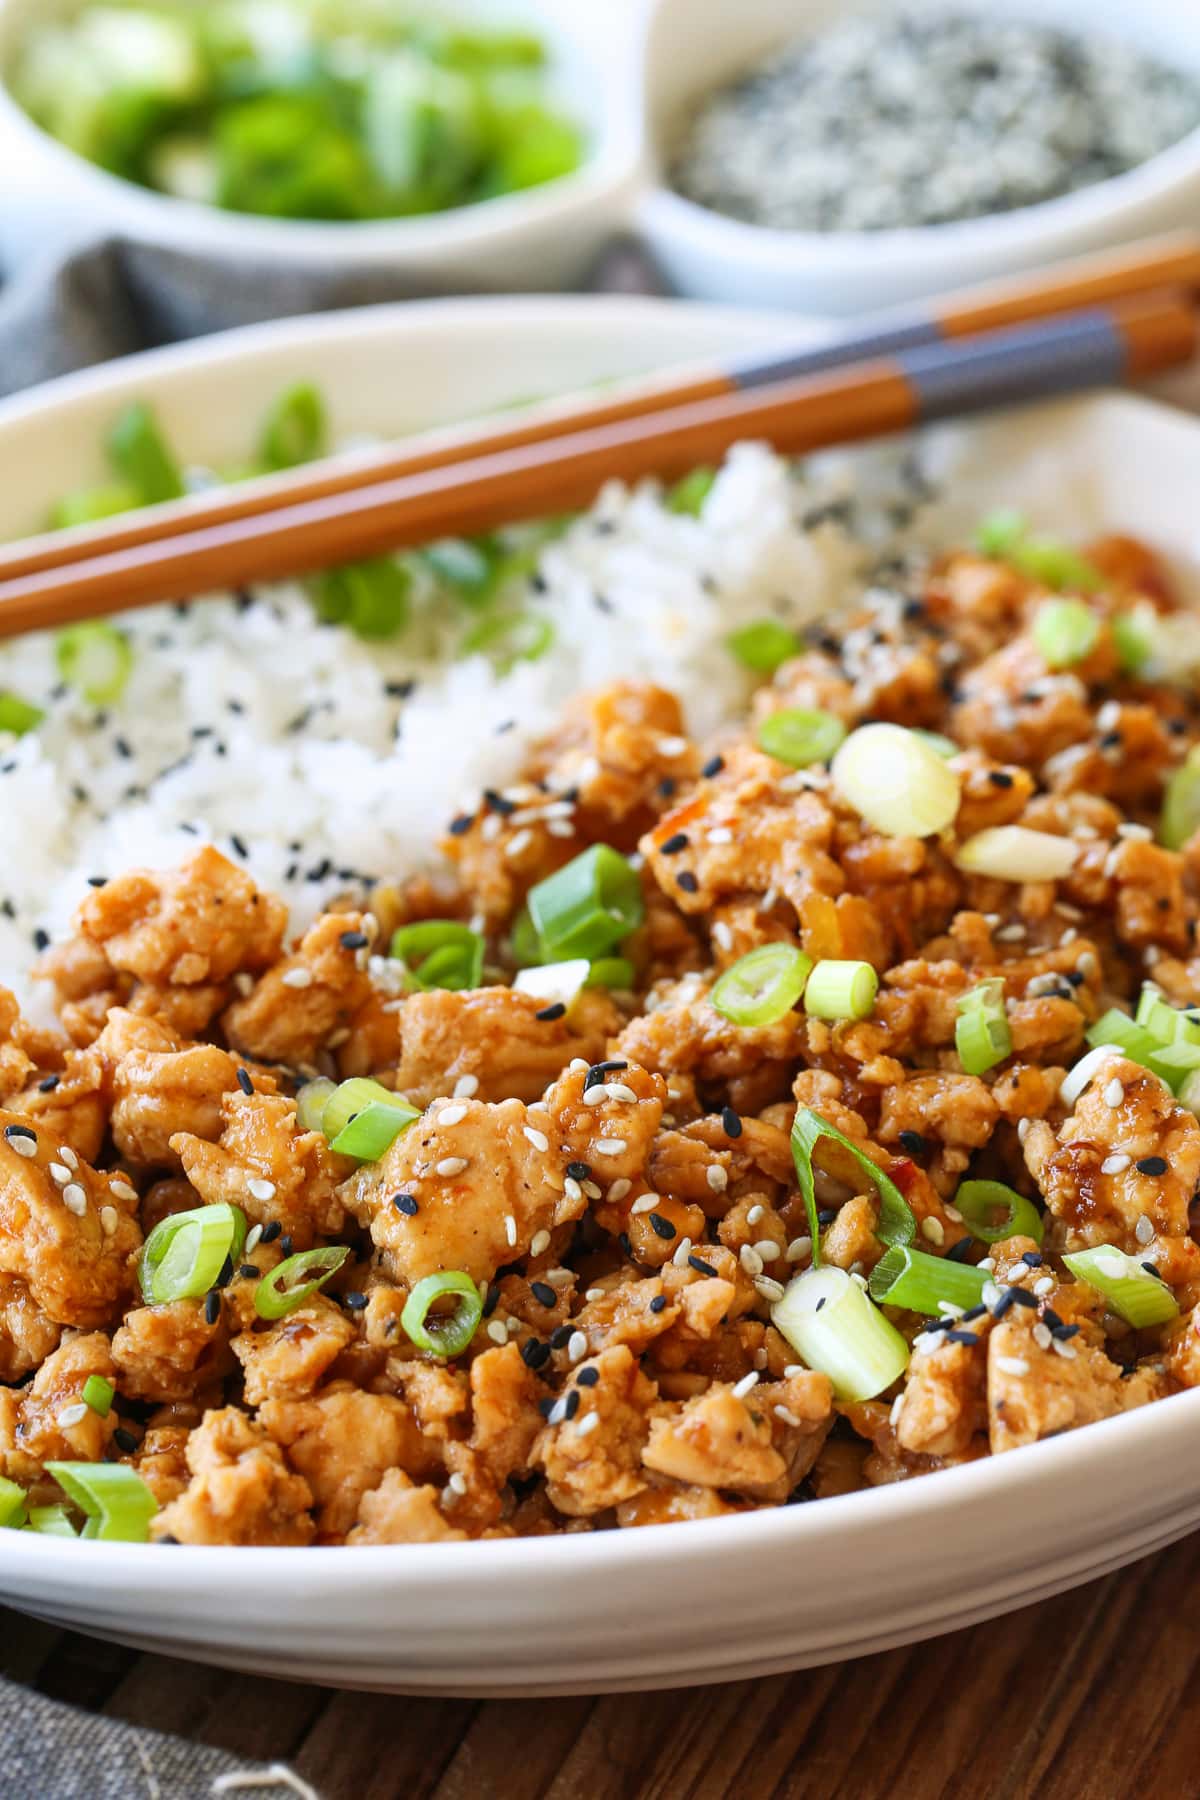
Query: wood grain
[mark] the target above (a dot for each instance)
(1086, 1697)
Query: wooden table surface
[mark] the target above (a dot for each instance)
(1086, 1697)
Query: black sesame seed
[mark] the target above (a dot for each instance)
(239, 845)
(354, 1302)
(595, 1076)
(731, 1123)
(560, 1336)
(713, 766)
(1063, 1332)
(125, 1440)
(249, 1271)
(19, 1131)
(1051, 1318)
(97, 881)
(212, 1306)
(579, 1171)
(960, 1251)
(701, 1267)
(499, 803)
(547, 1406)
(663, 1227)
(627, 1247)
(1033, 1258)
(406, 1204)
(820, 1304)
(827, 1215)
(587, 1377)
(41, 939)
(962, 1337)
(461, 824)
(667, 786)
(270, 1232)
(676, 843)
(572, 1404)
(1019, 1297)
(492, 1302)
(1150, 1269)
(1151, 1165)
(549, 1013)
(1005, 1303)
(913, 1142)
(285, 1245)
(354, 940)
(244, 1081)
(225, 1274)
(534, 1353)
(687, 881)
(974, 1312)
(1000, 778)
(543, 1293)
(659, 1303)
(48, 1084)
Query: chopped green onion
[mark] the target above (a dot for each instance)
(140, 455)
(295, 430)
(1169, 1024)
(761, 986)
(442, 1333)
(1065, 632)
(1132, 1292)
(1000, 530)
(943, 746)
(12, 1504)
(897, 1224)
(118, 1504)
(688, 496)
(588, 907)
(841, 990)
(1189, 1093)
(98, 1394)
(51, 1521)
(524, 944)
(96, 660)
(1169, 1062)
(508, 639)
(1181, 803)
(311, 1102)
(830, 1320)
(89, 506)
(982, 1034)
(801, 735)
(440, 953)
(1055, 564)
(371, 598)
(468, 566)
(614, 972)
(896, 782)
(186, 1252)
(920, 1283)
(349, 1098)
(18, 716)
(296, 1277)
(992, 1212)
(1015, 853)
(763, 647)
(368, 1134)
(1133, 633)
(555, 984)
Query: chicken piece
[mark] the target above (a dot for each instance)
(683, 1034)
(1151, 905)
(623, 1313)
(1111, 1166)
(48, 1421)
(197, 924)
(265, 1164)
(397, 1512)
(944, 1404)
(303, 1000)
(1016, 711)
(65, 1230)
(801, 1415)
(667, 1503)
(504, 1412)
(720, 1440)
(476, 1192)
(439, 1397)
(241, 1491)
(494, 1035)
(288, 1359)
(68, 1105)
(27, 1336)
(160, 1086)
(161, 1461)
(343, 1441)
(1034, 1392)
(751, 828)
(606, 1117)
(955, 1109)
(171, 1352)
(590, 1467)
(615, 750)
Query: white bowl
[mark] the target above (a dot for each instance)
(545, 237)
(695, 45)
(676, 1603)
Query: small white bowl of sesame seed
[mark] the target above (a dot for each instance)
(836, 156)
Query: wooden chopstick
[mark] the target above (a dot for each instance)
(1130, 339)
(1171, 261)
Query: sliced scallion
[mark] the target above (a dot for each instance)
(1015, 853)
(897, 1224)
(311, 1102)
(1169, 1062)
(140, 454)
(296, 1277)
(587, 908)
(920, 1282)
(524, 944)
(118, 1504)
(88, 506)
(830, 1321)
(509, 638)
(1000, 530)
(841, 990)
(761, 986)
(440, 1332)
(1065, 632)
(801, 735)
(1132, 1292)
(982, 1033)
(1189, 1093)
(764, 646)
(991, 1212)
(12, 1504)
(896, 782)
(295, 430)
(98, 1394)
(96, 660)
(371, 1132)
(440, 953)
(18, 716)
(1054, 564)
(51, 1521)
(1133, 633)
(1181, 803)
(350, 1098)
(688, 495)
(186, 1252)
(371, 598)
(614, 972)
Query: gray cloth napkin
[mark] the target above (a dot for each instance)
(94, 301)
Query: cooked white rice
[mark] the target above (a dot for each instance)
(289, 745)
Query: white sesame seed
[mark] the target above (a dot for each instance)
(617, 1090)
(643, 1204)
(798, 1249)
(768, 1289)
(672, 746)
(572, 1189)
(591, 1189)
(949, 1310)
(597, 1095)
(1115, 1165)
(72, 1415)
(986, 1263)
(934, 1230)
(451, 1165)
(894, 1414)
(59, 1174)
(722, 935)
(110, 1218)
(538, 1139)
(510, 1230)
(619, 1189)
(519, 842)
(259, 1189)
(609, 1147)
(585, 1426)
(252, 1237)
(67, 1155)
(717, 1178)
(299, 977)
(498, 1331)
(1023, 1126)
(1114, 1093)
(121, 1190)
(952, 1212)
(466, 1087)
(540, 1243)
(755, 1214)
(760, 1359)
(682, 1251)
(1041, 1335)
(24, 1146)
(1067, 1351)
(1012, 1365)
(452, 1115)
(768, 1249)
(1045, 1284)
(75, 1200)
(1011, 934)
(576, 1064)
(458, 1483)
(593, 1294)
(742, 1388)
(750, 1260)
(577, 1347)
(1143, 1231)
